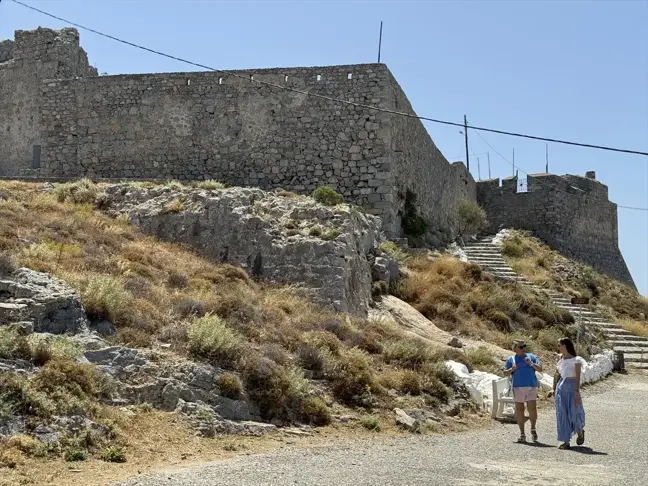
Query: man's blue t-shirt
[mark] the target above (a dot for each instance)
(524, 375)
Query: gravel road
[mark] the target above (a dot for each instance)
(615, 452)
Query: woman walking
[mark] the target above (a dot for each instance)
(570, 414)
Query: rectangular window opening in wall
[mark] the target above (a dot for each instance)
(523, 183)
(36, 157)
(319, 77)
(350, 75)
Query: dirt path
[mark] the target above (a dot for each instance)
(615, 453)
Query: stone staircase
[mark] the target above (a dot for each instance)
(485, 253)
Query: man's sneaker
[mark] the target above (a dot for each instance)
(534, 435)
(522, 438)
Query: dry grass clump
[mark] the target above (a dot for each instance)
(83, 191)
(549, 268)
(460, 298)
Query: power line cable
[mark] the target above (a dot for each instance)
(329, 98)
(543, 182)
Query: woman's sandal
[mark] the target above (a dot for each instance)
(522, 438)
(581, 437)
(534, 435)
(564, 446)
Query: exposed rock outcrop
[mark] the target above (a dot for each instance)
(47, 303)
(279, 238)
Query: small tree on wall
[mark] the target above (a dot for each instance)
(470, 219)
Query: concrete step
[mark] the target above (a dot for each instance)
(632, 350)
(629, 338)
(635, 358)
(637, 366)
(607, 325)
(614, 332)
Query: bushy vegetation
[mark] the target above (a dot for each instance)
(327, 196)
(470, 219)
(460, 298)
(550, 269)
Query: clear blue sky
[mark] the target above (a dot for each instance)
(565, 69)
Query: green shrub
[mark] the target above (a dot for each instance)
(106, 297)
(548, 338)
(113, 453)
(327, 196)
(351, 376)
(409, 383)
(512, 249)
(481, 358)
(499, 318)
(315, 231)
(471, 219)
(414, 225)
(393, 250)
(315, 411)
(13, 345)
(83, 191)
(210, 184)
(209, 337)
(230, 386)
(371, 422)
(408, 353)
(7, 264)
(330, 234)
(74, 455)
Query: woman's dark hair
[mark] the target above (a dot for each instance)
(569, 344)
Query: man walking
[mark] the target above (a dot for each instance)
(522, 366)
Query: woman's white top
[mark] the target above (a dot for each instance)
(567, 367)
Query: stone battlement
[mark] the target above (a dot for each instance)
(572, 214)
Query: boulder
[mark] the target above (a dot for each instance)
(50, 304)
(275, 238)
(405, 421)
(455, 343)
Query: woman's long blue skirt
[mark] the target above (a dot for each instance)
(569, 418)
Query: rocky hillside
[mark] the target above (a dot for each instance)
(101, 322)
(231, 311)
(547, 268)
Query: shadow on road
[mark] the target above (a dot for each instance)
(535, 444)
(587, 450)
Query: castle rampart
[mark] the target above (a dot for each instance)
(24, 63)
(209, 125)
(59, 119)
(572, 214)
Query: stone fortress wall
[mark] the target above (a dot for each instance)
(206, 125)
(59, 119)
(25, 62)
(572, 214)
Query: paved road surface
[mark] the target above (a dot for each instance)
(616, 452)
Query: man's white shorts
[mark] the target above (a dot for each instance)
(523, 394)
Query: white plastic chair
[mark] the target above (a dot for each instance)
(501, 396)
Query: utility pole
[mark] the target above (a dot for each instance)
(547, 158)
(466, 139)
(489, 174)
(478, 169)
(513, 161)
(380, 42)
